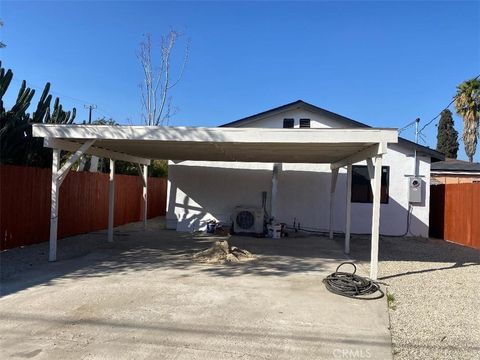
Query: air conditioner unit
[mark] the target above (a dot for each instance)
(415, 189)
(248, 220)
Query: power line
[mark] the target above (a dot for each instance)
(436, 117)
(33, 86)
(449, 104)
(77, 100)
(419, 133)
(407, 126)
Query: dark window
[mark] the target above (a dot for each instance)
(288, 123)
(304, 123)
(361, 188)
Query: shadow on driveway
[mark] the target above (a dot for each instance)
(134, 249)
(435, 252)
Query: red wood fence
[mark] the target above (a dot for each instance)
(83, 205)
(455, 213)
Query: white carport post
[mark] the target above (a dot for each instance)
(348, 207)
(145, 195)
(143, 171)
(58, 176)
(371, 171)
(273, 199)
(375, 172)
(52, 256)
(377, 185)
(333, 185)
(111, 200)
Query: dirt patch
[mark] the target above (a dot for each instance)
(221, 252)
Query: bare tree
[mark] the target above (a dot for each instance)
(2, 45)
(157, 83)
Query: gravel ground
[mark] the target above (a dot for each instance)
(435, 314)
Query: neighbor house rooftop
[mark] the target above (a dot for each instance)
(454, 165)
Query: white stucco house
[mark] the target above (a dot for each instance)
(297, 194)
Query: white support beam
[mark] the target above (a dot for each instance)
(273, 198)
(52, 255)
(370, 152)
(371, 171)
(100, 152)
(333, 185)
(141, 173)
(62, 173)
(145, 195)
(228, 156)
(94, 164)
(348, 215)
(111, 200)
(82, 163)
(377, 181)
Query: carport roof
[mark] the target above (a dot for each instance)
(142, 143)
(139, 144)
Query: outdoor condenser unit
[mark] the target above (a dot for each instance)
(415, 190)
(248, 220)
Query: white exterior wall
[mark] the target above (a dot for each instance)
(201, 191)
(276, 121)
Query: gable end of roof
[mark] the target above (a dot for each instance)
(300, 104)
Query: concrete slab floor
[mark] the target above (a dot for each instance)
(141, 297)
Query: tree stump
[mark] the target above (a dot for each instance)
(221, 252)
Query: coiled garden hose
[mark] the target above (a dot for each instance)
(351, 285)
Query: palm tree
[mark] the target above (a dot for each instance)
(467, 105)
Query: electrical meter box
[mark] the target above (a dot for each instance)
(415, 189)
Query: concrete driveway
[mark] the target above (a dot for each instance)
(142, 297)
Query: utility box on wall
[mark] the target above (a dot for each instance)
(415, 189)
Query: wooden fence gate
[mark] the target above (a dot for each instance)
(455, 213)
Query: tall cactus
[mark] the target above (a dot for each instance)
(5, 79)
(14, 124)
(43, 106)
(59, 116)
(17, 144)
(24, 99)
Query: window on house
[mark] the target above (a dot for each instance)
(361, 188)
(288, 123)
(304, 123)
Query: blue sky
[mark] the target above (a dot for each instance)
(382, 63)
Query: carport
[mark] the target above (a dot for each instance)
(138, 144)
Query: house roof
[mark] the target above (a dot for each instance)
(300, 104)
(455, 166)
